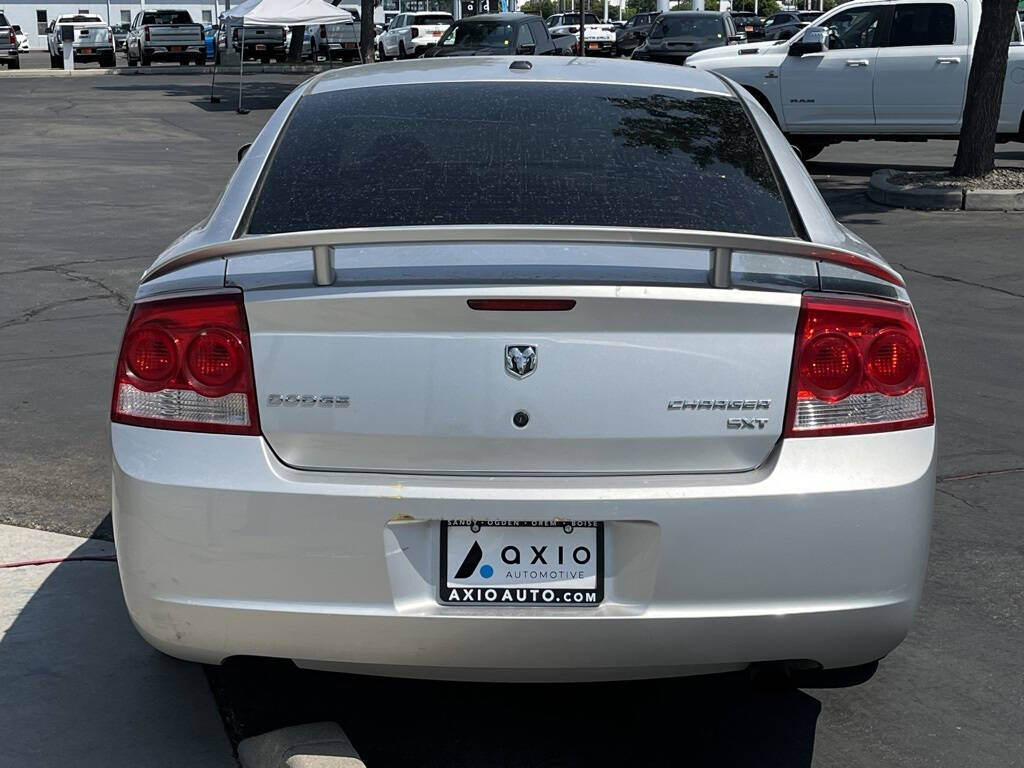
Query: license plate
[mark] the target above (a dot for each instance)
(87, 50)
(592, 46)
(748, 28)
(175, 48)
(350, 45)
(522, 563)
(261, 47)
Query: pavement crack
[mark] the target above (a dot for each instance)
(961, 499)
(32, 314)
(121, 299)
(982, 473)
(961, 281)
(53, 267)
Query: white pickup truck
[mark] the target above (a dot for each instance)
(165, 35)
(895, 69)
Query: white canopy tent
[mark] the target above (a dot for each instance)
(287, 13)
(280, 13)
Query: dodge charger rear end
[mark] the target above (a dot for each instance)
(512, 394)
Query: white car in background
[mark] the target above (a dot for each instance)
(597, 37)
(22, 39)
(410, 34)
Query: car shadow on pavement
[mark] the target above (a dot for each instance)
(257, 95)
(78, 685)
(716, 720)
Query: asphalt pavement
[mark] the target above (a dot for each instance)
(102, 172)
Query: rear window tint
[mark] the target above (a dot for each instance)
(167, 17)
(447, 154)
(428, 20)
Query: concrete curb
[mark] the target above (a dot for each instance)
(881, 190)
(313, 745)
(250, 69)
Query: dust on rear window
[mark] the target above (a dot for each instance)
(446, 154)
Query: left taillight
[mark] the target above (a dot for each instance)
(14, 37)
(859, 366)
(186, 364)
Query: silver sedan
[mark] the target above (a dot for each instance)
(560, 370)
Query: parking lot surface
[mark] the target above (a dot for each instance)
(104, 172)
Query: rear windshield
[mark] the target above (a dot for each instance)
(167, 17)
(443, 18)
(478, 34)
(574, 18)
(448, 154)
(696, 27)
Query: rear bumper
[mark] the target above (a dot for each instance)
(187, 53)
(818, 555)
(8, 53)
(96, 53)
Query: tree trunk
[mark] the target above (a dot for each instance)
(366, 30)
(975, 155)
(295, 47)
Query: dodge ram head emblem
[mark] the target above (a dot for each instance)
(520, 360)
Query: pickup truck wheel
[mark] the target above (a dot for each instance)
(14, 64)
(131, 62)
(401, 50)
(55, 62)
(144, 60)
(381, 56)
(108, 61)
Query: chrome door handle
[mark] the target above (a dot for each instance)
(856, 62)
(770, 76)
(948, 60)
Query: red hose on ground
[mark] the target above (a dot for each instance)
(70, 559)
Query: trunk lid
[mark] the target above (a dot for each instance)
(632, 379)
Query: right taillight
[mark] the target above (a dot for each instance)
(858, 366)
(185, 364)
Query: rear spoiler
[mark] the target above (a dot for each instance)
(720, 246)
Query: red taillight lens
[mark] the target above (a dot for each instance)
(858, 366)
(150, 354)
(214, 359)
(830, 366)
(14, 37)
(186, 364)
(147, 34)
(893, 361)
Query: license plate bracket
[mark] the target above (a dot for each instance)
(553, 564)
